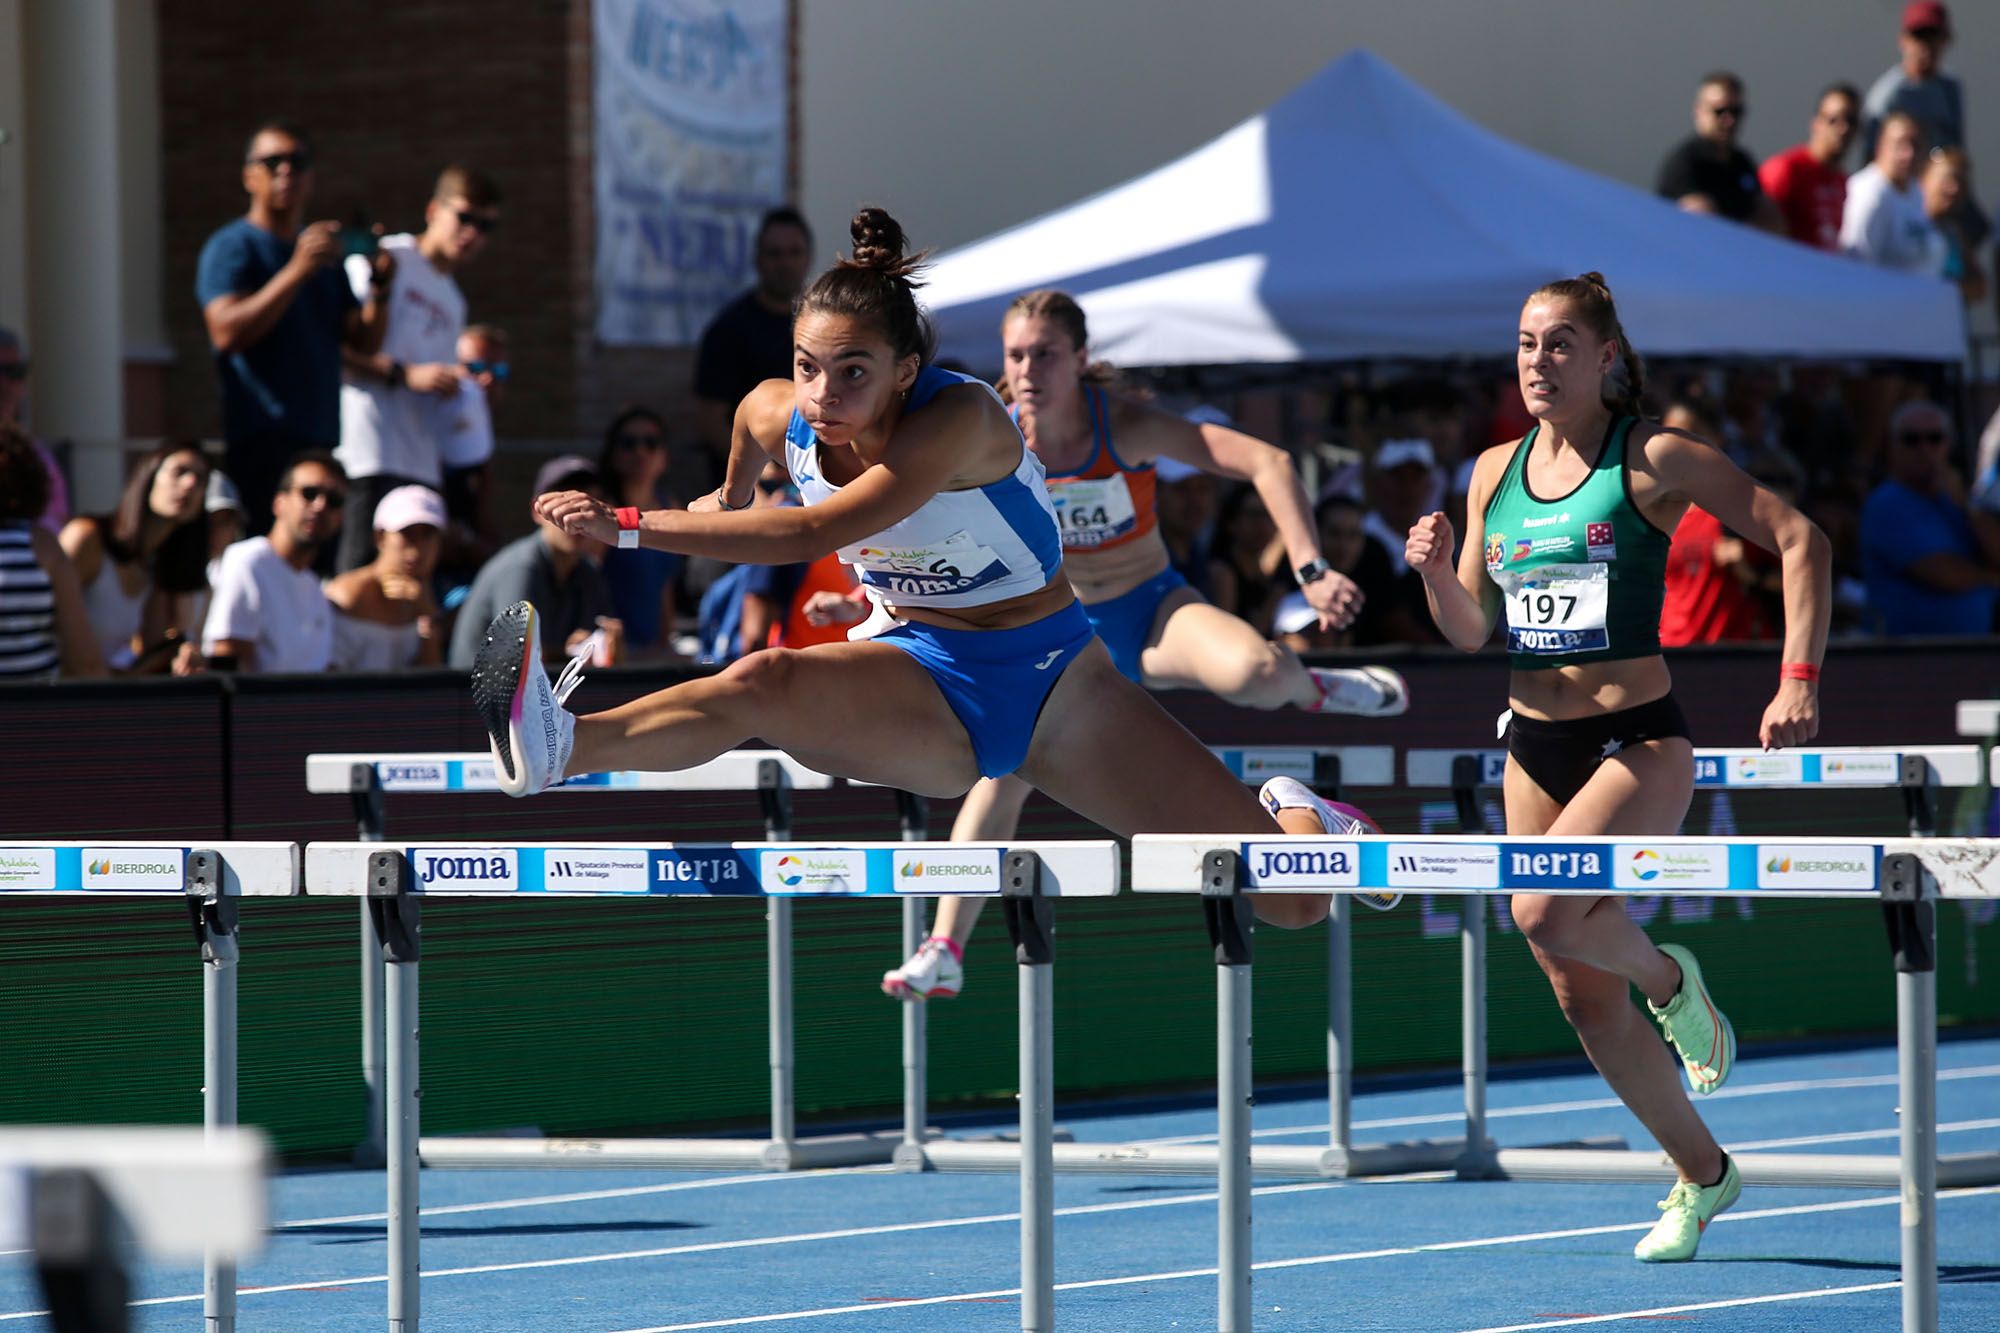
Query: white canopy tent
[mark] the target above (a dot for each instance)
(1362, 218)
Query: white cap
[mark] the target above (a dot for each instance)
(222, 493)
(1398, 453)
(1172, 469)
(1294, 615)
(408, 506)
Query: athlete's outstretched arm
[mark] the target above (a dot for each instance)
(1686, 466)
(756, 437)
(1464, 602)
(913, 468)
(1231, 453)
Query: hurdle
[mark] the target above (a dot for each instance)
(774, 776)
(1328, 769)
(394, 878)
(209, 878)
(1917, 771)
(1905, 875)
(73, 1194)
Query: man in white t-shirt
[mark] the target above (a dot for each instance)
(267, 612)
(394, 405)
(1884, 220)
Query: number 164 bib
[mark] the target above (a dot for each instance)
(1558, 609)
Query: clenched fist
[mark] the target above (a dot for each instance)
(1429, 547)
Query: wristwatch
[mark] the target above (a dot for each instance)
(397, 375)
(1312, 571)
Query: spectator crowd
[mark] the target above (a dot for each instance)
(348, 522)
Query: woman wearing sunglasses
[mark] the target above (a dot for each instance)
(644, 584)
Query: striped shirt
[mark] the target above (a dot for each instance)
(27, 608)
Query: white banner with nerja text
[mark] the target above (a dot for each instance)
(690, 149)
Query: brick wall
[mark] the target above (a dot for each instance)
(390, 94)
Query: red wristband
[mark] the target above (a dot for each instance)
(1798, 671)
(628, 527)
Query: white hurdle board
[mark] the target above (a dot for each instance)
(395, 877)
(1832, 766)
(1978, 717)
(181, 1194)
(209, 877)
(1904, 875)
(463, 771)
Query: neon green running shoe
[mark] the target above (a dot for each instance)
(1688, 1211)
(1695, 1028)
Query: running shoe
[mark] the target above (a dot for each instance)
(1695, 1028)
(1688, 1211)
(1370, 691)
(530, 730)
(1342, 821)
(934, 972)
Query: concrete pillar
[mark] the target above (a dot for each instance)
(75, 235)
(13, 174)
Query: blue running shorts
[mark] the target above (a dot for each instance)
(1126, 621)
(997, 680)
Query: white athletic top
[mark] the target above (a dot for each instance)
(260, 598)
(390, 431)
(961, 548)
(114, 616)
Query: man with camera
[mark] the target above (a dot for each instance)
(397, 403)
(278, 316)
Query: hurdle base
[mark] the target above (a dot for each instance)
(584, 1154)
(911, 1157)
(1812, 1170)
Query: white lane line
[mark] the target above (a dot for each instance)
(1860, 1135)
(1273, 1264)
(1662, 1311)
(592, 1196)
(1594, 1104)
(752, 1242)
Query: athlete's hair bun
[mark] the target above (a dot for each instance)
(879, 244)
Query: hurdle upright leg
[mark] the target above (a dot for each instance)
(1911, 917)
(1031, 922)
(366, 790)
(914, 819)
(1227, 914)
(397, 923)
(215, 924)
(774, 791)
(1472, 977)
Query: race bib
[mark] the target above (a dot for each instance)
(1091, 513)
(1559, 609)
(947, 568)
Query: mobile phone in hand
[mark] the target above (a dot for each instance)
(357, 236)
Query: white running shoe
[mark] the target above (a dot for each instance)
(1370, 691)
(934, 972)
(529, 729)
(1341, 820)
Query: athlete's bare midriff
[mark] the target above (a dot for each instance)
(1099, 576)
(1010, 614)
(1565, 693)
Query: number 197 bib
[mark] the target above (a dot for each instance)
(1558, 609)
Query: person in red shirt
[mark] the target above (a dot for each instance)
(1708, 596)
(1807, 181)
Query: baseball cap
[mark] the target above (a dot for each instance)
(1172, 469)
(1294, 615)
(406, 507)
(222, 493)
(1398, 453)
(566, 473)
(1920, 15)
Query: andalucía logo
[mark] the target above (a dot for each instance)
(791, 871)
(1646, 864)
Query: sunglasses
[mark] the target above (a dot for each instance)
(640, 441)
(773, 487)
(1929, 437)
(497, 369)
(299, 161)
(17, 370)
(335, 497)
(1734, 110)
(484, 223)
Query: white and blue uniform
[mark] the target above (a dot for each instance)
(964, 549)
